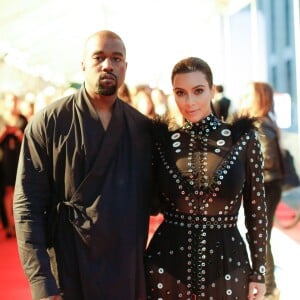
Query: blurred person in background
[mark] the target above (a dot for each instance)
(11, 110)
(159, 99)
(220, 103)
(83, 187)
(27, 109)
(144, 104)
(11, 135)
(258, 102)
(3, 216)
(2, 209)
(173, 113)
(124, 93)
(206, 170)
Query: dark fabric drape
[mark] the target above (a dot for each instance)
(85, 192)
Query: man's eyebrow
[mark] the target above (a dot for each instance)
(114, 53)
(118, 53)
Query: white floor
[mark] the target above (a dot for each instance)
(286, 254)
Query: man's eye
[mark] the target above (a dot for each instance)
(98, 58)
(117, 59)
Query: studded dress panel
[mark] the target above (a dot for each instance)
(197, 252)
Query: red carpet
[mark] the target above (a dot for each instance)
(14, 286)
(284, 215)
(154, 223)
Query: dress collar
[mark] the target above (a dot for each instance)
(210, 122)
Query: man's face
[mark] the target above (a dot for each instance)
(104, 65)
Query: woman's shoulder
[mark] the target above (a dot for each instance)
(161, 130)
(242, 125)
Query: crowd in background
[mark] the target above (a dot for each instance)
(16, 111)
(151, 101)
(13, 120)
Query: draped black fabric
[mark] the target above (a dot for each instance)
(84, 191)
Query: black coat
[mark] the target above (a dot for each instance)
(221, 108)
(84, 192)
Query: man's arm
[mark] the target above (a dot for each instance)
(31, 199)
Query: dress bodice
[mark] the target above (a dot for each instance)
(206, 171)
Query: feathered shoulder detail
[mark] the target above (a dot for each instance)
(241, 125)
(160, 129)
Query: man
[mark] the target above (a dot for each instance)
(83, 187)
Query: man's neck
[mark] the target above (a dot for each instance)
(103, 103)
(104, 107)
(105, 117)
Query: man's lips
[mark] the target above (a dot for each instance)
(108, 77)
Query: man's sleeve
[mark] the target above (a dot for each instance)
(32, 197)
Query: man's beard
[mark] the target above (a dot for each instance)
(107, 90)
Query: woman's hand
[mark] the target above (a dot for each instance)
(256, 291)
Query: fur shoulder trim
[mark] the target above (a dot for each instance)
(160, 129)
(241, 125)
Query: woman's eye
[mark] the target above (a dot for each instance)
(179, 93)
(199, 91)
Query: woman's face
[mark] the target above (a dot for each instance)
(193, 95)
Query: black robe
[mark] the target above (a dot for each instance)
(84, 192)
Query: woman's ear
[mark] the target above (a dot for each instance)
(214, 90)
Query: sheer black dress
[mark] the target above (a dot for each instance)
(206, 171)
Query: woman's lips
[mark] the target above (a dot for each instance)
(191, 111)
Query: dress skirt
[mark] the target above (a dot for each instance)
(197, 260)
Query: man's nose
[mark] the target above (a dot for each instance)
(107, 64)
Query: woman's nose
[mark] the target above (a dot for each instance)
(190, 100)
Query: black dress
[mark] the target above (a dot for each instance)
(206, 170)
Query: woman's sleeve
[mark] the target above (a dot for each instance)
(255, 208)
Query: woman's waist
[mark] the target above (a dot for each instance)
(200, 221)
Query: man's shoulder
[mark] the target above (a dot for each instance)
(133, 112)
(54, 113)
(56, 108)
(60, 105)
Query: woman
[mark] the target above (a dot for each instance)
(258, 102)
(206, 167)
